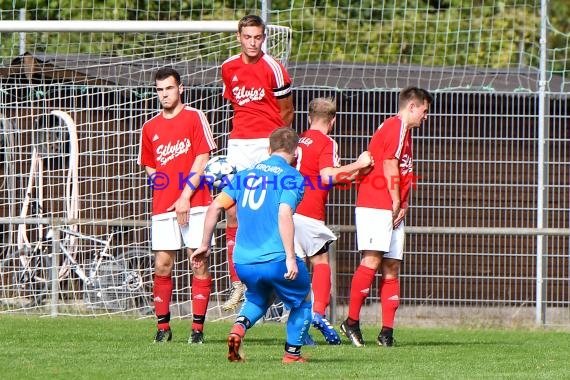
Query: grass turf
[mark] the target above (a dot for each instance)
(114, 348)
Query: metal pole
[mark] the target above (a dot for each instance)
(265, 9)
(54, 275)
(22, 34)
(541, 266)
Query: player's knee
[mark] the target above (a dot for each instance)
(163, 265)
(391, 268)
(201, 272)
(371, 259)
(162, 270)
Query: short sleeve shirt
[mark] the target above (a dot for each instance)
(253, 90)
(390, 141)
(316, 151)
(258, 193)
(170, 146)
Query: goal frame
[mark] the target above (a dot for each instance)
(113, 26)
(280, 34)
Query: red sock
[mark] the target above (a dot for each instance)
(359, 290)
(162, 292)
(390, 299)
(201, 288)
(230, 243)
(238, 329)
(321, 287)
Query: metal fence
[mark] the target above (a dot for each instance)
(474, 245)
(478, 159)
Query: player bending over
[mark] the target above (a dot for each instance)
(318, 162)
(381, 206)
(266, 197)
(177, 143)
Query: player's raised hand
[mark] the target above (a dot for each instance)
(199, 256)
(292, 269)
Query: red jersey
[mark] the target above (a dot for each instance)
(170, 146)
(391, 140)
(316, 151)
(253, 90)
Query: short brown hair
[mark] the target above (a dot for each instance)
(322, 108)
(284, 139)
(167, 72)
(409, 94)
(251, 20)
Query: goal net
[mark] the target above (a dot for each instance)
(487, 62)
(74, 96)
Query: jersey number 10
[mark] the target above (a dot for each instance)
(252, 185)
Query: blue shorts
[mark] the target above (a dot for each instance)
(264, 280)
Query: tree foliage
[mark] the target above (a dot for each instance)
(483, 33)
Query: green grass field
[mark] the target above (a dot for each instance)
(105, 348)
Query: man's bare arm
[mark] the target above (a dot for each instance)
(286, 110)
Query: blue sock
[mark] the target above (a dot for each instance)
(298, 324)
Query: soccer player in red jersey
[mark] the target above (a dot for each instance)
(318, 162)
(175, 146)
(259, 90)
(381, 206)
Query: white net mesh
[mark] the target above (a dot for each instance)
(440, 45)
(72, 109)
(478, 56)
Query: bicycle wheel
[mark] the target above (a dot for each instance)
(25, 279)
(121, 284)
(139, 264)
(107, 290)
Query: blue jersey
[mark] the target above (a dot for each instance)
(258, 192)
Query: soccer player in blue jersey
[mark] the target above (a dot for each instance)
(266, 197)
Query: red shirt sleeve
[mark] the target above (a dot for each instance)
(391, 141)
(146, 157)
(281, 82)
(203, 140)
(226, 80)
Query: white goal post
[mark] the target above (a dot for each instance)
(117, 26)
(132, 26)
(99, 75)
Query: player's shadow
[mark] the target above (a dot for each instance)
(265, 341)
(253, 340)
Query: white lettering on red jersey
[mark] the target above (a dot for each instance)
(253, 90)
(316, 151)
(165, 153)
(170, 146)
(243, 95)
(390, 141)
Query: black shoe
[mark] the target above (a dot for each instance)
(353, 333)
(163, 336)
(385, 340)
(197, 337)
